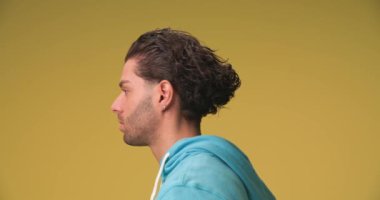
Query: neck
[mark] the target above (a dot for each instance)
(169, 133)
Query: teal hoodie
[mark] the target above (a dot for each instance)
(208, 167)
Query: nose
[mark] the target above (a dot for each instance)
(115, 107)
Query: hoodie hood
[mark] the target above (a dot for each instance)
(224, 150)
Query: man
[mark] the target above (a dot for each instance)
(169, 82)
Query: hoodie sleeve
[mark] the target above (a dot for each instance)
(188, 193)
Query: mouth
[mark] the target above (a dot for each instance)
(121, 125)
(119, 119)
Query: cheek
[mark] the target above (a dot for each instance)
(128, 103)
(125, 106)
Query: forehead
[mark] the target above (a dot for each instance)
(129, 69)
(129, 76)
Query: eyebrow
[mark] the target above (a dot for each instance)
(122, 82)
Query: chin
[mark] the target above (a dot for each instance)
(134, 141)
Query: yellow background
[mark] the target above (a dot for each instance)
(307, 114)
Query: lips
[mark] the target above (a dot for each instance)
(120, 120)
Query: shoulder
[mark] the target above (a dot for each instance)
(203, 174)
(186, 192)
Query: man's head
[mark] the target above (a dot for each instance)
(134, 106)
(170, 68)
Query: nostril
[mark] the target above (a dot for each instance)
(113, 107)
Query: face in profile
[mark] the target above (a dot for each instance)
(134, 107)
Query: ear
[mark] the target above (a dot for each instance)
(166, 92)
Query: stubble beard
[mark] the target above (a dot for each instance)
(140, 125)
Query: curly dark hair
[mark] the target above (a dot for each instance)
(204, 81)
